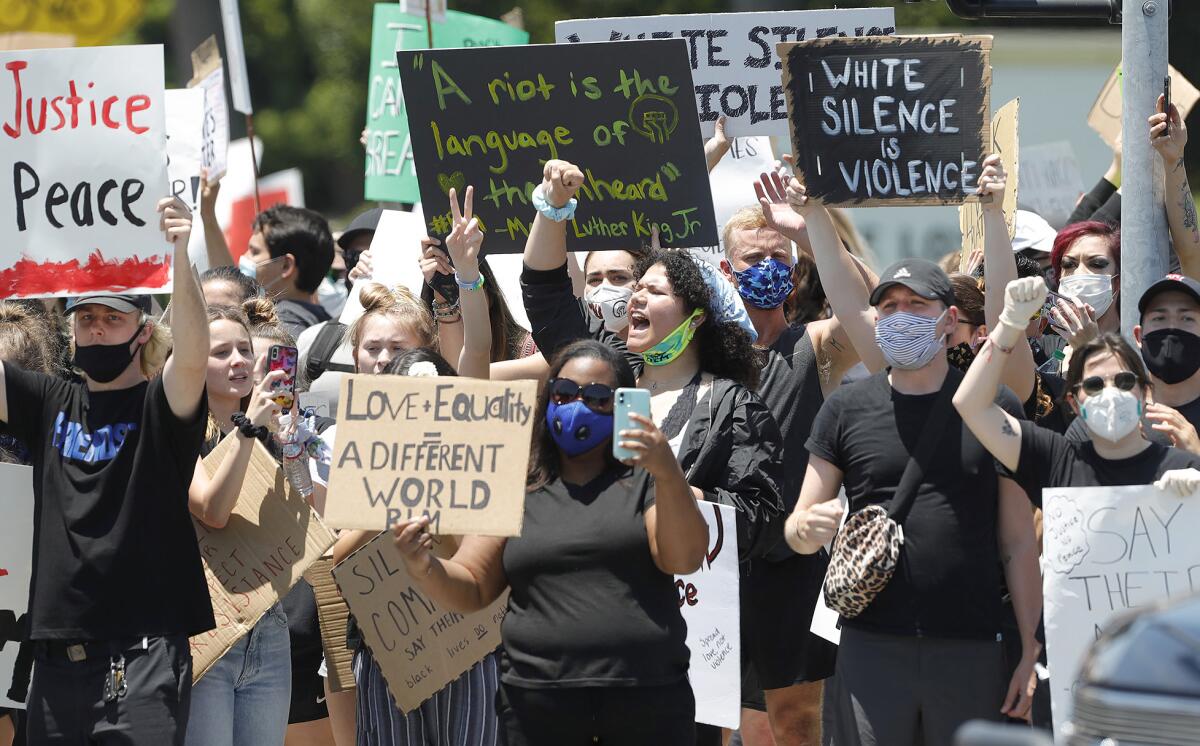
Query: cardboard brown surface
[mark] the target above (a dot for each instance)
(1005, 143)
(333, 614)
(35, 40)
(420, 648)
(454, 449)
(205, 59)
(271, 538)
(1105, 116)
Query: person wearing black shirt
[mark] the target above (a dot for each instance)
(289, 254)
(935, 626)
(593, 639)
(117, 585)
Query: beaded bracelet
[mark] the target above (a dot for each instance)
(247, 428)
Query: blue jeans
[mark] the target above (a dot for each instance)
(243, 700)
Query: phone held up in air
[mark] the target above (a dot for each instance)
(628, 401)
(1167, 104)
(284, 358)
(445, 285)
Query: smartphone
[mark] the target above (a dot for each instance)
(281, 357)
(1167, 103)
(628, 401)
(1052, 299)
(445, 285)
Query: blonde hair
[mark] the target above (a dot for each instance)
(157, 348)
(24, 338)
(398, 303)
(745, 219)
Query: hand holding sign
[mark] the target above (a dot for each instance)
(416, 546)
(175, 220)
(992, 182)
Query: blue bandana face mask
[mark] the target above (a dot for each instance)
(766, 284)
(577, 429)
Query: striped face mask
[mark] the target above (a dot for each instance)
(908, 341)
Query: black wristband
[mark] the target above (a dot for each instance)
(248, 428)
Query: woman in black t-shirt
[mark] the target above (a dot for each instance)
(593, 639)
(1106, 385)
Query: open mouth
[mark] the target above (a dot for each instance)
(638, 321)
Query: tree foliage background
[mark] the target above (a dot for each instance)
(308, 64)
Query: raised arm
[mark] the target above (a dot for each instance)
(470, 580)
(183, 377)
(463, 245)
(975, 399)
(1181, 207)
(214, 238)
(817, 515)
(546, 247)
(716, 146)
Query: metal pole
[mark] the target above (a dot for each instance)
(1145, 242)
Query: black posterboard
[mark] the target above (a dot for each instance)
(624, 112)
(899, 120)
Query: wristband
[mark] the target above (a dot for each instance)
(557, 214)
(998, 346)
(475, 285)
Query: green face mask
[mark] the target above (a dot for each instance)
(672, 345)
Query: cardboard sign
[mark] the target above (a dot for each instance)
(889, 120)
(453, 449)
(390, 174)
(35, 40)
(16, 555)
(1050, 181)
(420, 647)
(84, 149)
(208, 73)
(622, 111)
(1108, 550)
(732, 183)
(185, 143)
(332, 616)
(1105, 116)
(732, 55)
(1005, 143)
(709, 602)
(270, 540)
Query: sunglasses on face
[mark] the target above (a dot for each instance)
(1093, 385)
(597, 397)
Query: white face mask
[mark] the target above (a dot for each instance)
(1112, 414)
(610, 304)
(1094, 290)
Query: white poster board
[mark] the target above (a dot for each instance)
(732, 183)
(185, 144)
(709, 602)
(1050, 181)
(16, 558)
(86, 176)
(1106, 551)
(239, 80)
(435, 8)
(215, 129)
(734, 67)
(395, 259)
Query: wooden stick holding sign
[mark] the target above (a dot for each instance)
(880, 121)
(453, 449)
(970, 214)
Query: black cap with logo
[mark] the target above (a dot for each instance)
(921, 276)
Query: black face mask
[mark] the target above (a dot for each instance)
(1172, 355)
(961, 356)
(103, 363)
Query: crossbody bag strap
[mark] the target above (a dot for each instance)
(906, 491)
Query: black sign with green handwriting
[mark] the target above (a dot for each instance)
(624, 112)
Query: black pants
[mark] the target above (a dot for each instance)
(609, 716)
(67, 705)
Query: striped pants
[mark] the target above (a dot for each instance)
(461, 714)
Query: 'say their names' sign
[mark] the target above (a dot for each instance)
(623, 111)
(889, 120)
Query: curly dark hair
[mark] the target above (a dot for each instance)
(399, 365)
(726, 350)
(543, 453)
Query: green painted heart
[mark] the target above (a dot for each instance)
(454, 181)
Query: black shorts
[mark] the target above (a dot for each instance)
(778, 650)
(308, 688)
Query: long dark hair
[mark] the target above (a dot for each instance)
(543, 453)
(725, 348)
(508, 337)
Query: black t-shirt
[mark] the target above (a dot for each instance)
(947, 583)
(1051, 460)
(588, 606)
(115, 553)
(298, 315)
(1078, 431)
(791, 389)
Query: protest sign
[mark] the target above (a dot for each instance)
(395, 259)
(734, 68)
(433, 9)
(390, 173)
(270, 540)
(889, 120)
(732, 183)
(453, 449)
(1105, 116)
(84, 144)
(88, 23)
(1108, 550)
(16, 554)
(622, 111)
(208, 73)
(420, 647)
(185, 141)
(239, 80)
(332, 616)
(1005, 144)
(1050, 181)
(708, 601)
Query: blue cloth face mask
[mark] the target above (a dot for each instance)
(766, 284)
(577, 429)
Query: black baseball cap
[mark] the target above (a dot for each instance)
(122, 303)
(1181, 283)
(365, 222)
(921, 276)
